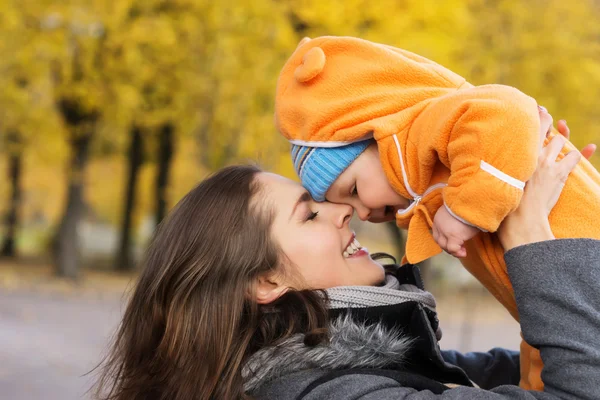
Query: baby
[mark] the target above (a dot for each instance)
(397, 136)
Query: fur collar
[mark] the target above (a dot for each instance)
(352, 345)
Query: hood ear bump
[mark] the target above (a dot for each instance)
(305, 40)
(312, 65)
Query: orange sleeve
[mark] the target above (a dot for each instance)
(488, 136)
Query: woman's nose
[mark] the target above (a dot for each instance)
(344, 214)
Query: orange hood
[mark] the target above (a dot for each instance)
(336, 90)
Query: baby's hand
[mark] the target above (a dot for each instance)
(451, 234)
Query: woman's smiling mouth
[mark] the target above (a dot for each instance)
(354, 248)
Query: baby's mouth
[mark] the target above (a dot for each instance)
(352, 248)
(389, 210)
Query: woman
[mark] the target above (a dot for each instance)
(228, 304)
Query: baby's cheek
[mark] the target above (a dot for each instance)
(404, 203)
(374, 200)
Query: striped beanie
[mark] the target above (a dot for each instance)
(319, 167)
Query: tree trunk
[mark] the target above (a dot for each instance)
(203, 132)
(12, 218)
(124, 259)
(67, 257)
(165, 156)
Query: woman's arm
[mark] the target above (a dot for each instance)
(499, 366)
(558, 298)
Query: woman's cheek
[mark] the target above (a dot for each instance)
(319, 243)
(331, 250)
(307, 249)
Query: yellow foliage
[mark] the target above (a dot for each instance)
(209, 68)
(546, 48)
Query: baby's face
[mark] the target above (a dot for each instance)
(364, 186)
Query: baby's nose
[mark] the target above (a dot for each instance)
(363, 213)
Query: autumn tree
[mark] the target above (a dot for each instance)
(152, 64)
(74, 36)
(26, 110)
(192, 68)
(546, 48)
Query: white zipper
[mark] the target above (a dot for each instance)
(416, 198)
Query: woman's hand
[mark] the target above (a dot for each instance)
(564, 130)
(529, 223)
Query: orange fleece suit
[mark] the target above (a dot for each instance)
(441, 141)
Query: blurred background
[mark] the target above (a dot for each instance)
(111, 110)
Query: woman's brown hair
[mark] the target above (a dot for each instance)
(191, 322)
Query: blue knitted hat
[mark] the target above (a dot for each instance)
(319, 167)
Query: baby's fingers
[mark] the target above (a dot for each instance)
(462, 253)
(442, 241)
(455, 247)
(435, 233)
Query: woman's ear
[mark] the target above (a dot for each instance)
(269, 288)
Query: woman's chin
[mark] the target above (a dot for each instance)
(378, 277)
(367, 272)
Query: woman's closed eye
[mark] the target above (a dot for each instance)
(311, 216)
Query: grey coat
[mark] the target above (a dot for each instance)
(558, 296)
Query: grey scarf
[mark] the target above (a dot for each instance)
(392, 292)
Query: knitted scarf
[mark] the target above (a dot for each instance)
(391, 292)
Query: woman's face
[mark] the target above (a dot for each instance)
(316, 238)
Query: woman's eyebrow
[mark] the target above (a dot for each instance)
(304, 198)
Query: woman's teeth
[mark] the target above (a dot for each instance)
(352, 248)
